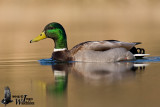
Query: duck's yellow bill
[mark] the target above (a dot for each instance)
(38, 38)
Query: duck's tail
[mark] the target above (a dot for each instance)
(138, 52)
(137, 43)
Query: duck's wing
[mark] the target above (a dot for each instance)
(103, 45)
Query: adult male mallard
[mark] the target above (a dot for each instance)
(90, 51)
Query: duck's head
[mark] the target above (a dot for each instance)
(54, 31)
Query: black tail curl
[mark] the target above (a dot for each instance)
(135, 50)
(140, 51)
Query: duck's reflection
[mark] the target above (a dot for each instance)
(95, 73)
(60, 79)
(106, 72)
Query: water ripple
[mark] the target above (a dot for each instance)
(147, 59)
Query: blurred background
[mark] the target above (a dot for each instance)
(83, 20)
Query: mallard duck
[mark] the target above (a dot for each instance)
(90, 51)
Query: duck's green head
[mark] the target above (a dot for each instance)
(54, 31)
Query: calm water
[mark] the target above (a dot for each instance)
(122, 84)
(82, 84)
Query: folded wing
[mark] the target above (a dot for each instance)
(103, 45)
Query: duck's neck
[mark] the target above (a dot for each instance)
(61, 42)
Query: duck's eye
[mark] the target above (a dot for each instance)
(50, 28)
(40, 34)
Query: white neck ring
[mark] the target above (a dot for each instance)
(55, 50)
